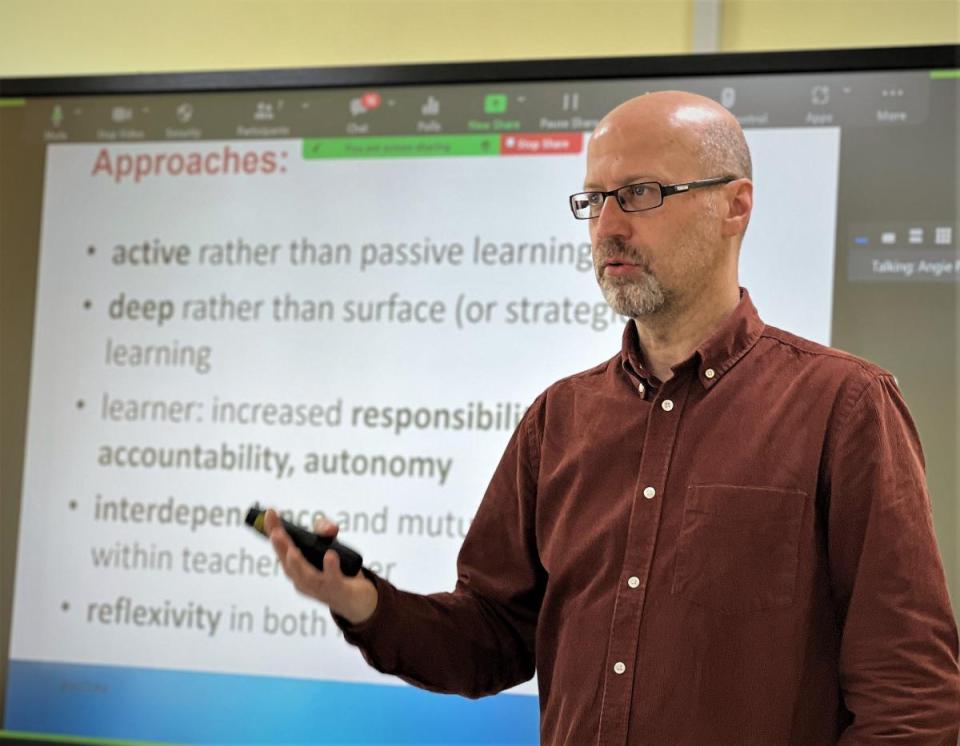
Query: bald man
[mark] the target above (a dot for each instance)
(721, 535)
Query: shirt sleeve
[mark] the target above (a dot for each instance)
(478, 639)
(898, 653)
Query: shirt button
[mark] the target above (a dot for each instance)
(618, 667)
(649, 493)
(666, 405)
(710, 373)
(641, 389)
(633, 581)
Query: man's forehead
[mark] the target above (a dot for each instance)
(658, 135)
(669, 120)
(622, 134)
(623, 157)
(664, 106)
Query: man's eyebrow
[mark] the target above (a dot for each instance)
(591, 186)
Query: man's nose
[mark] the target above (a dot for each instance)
(612, 221)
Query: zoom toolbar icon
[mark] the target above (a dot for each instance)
(367, 102)
(431, 108)
(495, 103)
(820, 95)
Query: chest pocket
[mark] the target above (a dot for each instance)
(738, 547)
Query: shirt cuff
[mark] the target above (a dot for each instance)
(366, 631)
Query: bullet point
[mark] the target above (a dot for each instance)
(87, 304)
(65, 606)
(79, 403)
(73, 505)
(91, 250)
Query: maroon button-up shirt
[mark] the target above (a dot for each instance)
(743, 554)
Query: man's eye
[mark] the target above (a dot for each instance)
(594, 198)
(638, 190)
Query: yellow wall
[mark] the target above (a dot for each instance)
(809, 24)
(69, 37)
(122, 36)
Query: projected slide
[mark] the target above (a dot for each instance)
(324, 327)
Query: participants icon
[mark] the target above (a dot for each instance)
(264, 111)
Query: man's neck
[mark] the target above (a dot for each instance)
(667, 340)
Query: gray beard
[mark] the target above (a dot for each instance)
(634, 299)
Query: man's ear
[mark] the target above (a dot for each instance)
(738, 204)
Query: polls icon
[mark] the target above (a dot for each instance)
(431, 108)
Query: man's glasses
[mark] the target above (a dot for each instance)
(636, 197)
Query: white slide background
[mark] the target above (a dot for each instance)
(787, 264)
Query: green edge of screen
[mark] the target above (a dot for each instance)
(59, 738)
(12, 102)
(413, 146)
(944, 74)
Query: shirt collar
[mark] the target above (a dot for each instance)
(730, 341)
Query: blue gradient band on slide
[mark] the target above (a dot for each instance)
(186, 706)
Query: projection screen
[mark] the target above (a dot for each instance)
(335, 292)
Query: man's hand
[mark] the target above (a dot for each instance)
(352, 598)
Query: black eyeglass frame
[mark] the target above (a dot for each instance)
(666, 190)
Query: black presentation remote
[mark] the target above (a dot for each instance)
(312, 546)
